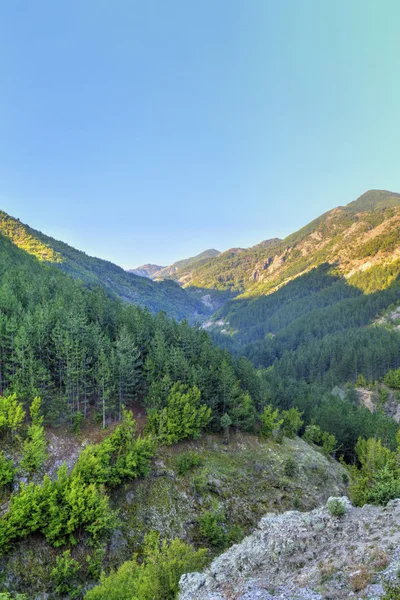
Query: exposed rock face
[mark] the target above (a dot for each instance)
(370, 399)
(307, 556)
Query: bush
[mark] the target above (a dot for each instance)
(329, 443)
(270, 421)
(336, 507)
(183, 417)
(361, 381)
(34, 449)
(378, 479)
(186, 461)
(156, 577)
(392, 379)
(64, 573)
(313, 434)
(77, 421)
(290, 467)
(392, 591)
(12, 414)
(211, 530)
(225, 423)
(7, 470)
(200, 483)
(292, 422)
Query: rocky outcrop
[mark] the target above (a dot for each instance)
(307, 556)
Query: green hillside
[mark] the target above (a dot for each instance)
(156, 296)
(82, 483)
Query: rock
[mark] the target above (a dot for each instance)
(337, 391)
(307, 556)
(130, 497)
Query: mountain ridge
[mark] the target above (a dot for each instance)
(156, 296)
(177, 269)
(335, 237)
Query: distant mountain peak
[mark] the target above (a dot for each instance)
(177, 268)
(147, 270)
(374, 200)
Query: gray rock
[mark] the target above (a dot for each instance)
(307, 556)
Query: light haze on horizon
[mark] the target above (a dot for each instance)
(147, 132)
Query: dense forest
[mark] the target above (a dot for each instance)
(320, 327)
(163, 295)
(83, 352)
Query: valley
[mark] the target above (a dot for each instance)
(140, 418)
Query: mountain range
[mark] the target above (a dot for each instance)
(210, 287)
(296, 336)
(179, 271)
(357, 236)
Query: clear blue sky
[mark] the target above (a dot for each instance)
(149, 131)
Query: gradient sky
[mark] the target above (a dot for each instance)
(149, 131)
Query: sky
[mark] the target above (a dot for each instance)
(148, 131)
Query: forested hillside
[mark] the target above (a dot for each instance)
(82, 351)
(76, 360)
(156, 296)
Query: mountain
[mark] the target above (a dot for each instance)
(353, 237)
(156, 296)
(120, 429)
(146, 270)
(178, 271)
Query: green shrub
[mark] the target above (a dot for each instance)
(313, 434)
(77, 421)
(336, 507)
(200, 483)
(156, 577)
(361, 381)
(64, 573)
(329, 443)
(186, 461)
(292, 422)
(392, 379)
(270, 421)
(34, 448)
(378, 479)
(392, 591)
(383, 397)
(183, 417)
(290, 467)
(7, 470)
(225, 423)
(297, 502)
(12, 414)
(211, 529)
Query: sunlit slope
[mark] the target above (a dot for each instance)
(355, 237)
(168, 295)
